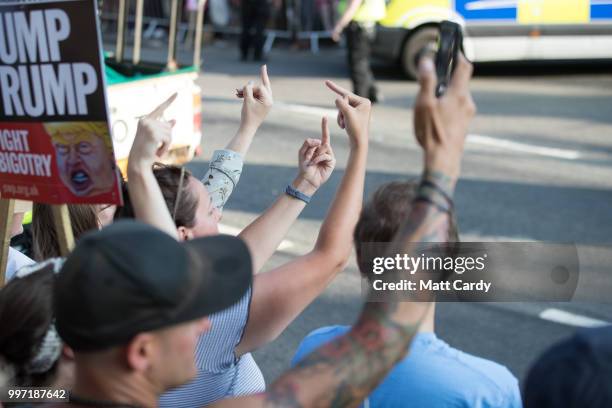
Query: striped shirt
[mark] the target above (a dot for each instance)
(220, 374)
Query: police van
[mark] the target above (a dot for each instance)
(499, 30)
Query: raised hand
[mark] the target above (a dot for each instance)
(316, 161)
(153, 136)
(153, 139)
(337, 33)
(257, 101)
(353, 114)
(441, 125)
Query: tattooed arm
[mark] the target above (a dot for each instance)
(343, 372)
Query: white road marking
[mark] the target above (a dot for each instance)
(285, 244)
(475, 139)
(473, 237)
(309, 110)
(524, 147)
(571, 319)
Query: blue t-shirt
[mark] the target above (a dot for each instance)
(433, 375)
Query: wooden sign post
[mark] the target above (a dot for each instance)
(61, 221)
(61, 218)
(6, 221)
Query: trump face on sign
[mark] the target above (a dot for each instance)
(84, 155)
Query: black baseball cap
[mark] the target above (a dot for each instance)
(574, 373)
(131, 278)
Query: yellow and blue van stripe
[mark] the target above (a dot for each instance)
(535, 11)
(601, 10)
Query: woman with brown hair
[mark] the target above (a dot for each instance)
(31, 352)
(83, 218)
(223, 174)
(174, 201)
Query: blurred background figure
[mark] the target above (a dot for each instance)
(157, 12)
(328, 11)
(307, 15)
(359, 18)
(255, 15)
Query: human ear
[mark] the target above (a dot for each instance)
(184, 233)
(67, 352)
(139, 352)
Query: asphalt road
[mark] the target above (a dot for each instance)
(537, 167)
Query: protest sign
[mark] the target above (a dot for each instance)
(55, 143)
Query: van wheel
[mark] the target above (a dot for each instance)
(416, 42)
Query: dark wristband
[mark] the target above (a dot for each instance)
(434, 203)
(295, 193)
(431, 192)
(434, 186)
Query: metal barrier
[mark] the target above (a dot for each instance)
(147, 27)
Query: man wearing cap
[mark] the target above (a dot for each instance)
(133, 313)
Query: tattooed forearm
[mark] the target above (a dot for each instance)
(343, 372)
(426, 223)
(283, 394)
(430, 216)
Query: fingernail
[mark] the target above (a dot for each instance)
(426, 65)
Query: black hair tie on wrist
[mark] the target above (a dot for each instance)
(436, 187)
(430, 201)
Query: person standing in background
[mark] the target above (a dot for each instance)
(327, 11)
(255, 15)
(307, 15)
(359, 19)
